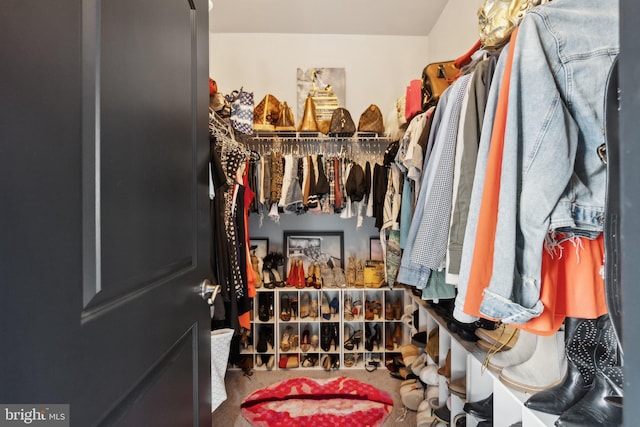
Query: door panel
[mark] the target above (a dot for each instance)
(104, 195)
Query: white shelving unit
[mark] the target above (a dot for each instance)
(317, 325)
(467, 360)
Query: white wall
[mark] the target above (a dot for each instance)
(456, 30)
(378, 68)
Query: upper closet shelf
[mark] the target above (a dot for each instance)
(304, 137)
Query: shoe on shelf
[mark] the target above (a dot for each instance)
(310, 361)
(351, 271)
(546, 368)
(348, 307)
(305, 340)
(339, 277)
(334, 306)
(357, 309)
(521, 351)
(326, 273)
(325, 336)
(313, 309)
(284, 342)
(388, 341)
(324, 307)
(388, 311)
(285, 309)
(311, 271)
(481, 409)
(397, 309)
(293, 307)
(397, 334)
(292, 277)
(351, 359)
(458, 387)
(305, 302)
(443, 414)
(504, 337)
(445, 370)
(300, 281)
(353, 340)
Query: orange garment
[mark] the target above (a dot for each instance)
(482, 262)
(465, 58)
(572, 285)
(245, 318)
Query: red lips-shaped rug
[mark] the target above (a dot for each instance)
(332, 402)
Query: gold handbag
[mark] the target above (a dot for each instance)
(325, 101)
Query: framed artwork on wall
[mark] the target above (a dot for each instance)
(375, 249)
(261, 246)
(317, 246)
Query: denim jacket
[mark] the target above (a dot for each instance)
(552, 177)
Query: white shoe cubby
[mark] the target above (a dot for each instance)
(328, 315)
(467, 360)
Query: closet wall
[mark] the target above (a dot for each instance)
(378, 69)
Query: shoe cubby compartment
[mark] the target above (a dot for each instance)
(330, 305)
(310, 333)
(288, 339)
(264, 307)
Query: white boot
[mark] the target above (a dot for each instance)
(544, 369)
(522, 351)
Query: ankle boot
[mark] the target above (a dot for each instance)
(308, 122)
(582, 345)
(522, 351)
(596, 409)
(266, 113)
(543, 370)
(285, 121)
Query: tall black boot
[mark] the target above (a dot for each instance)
(596, 408)
(581, 341)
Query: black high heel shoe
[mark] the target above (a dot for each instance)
(285, 310)
(325, 336)
(377, 337)
(335, 335)
(368, 344)
(263, 308)
(354, 340)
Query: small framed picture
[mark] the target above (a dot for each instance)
(375, 249)
(317, 246)
(261, 246)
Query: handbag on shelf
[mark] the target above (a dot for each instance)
(436, 78)
(371, 120)
(413, 102)
(341, 123)
(325, 102)
(241, 118)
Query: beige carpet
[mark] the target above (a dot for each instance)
(240, 386)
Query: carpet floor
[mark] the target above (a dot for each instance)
(240, 386)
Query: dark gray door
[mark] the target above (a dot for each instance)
(104, 210)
